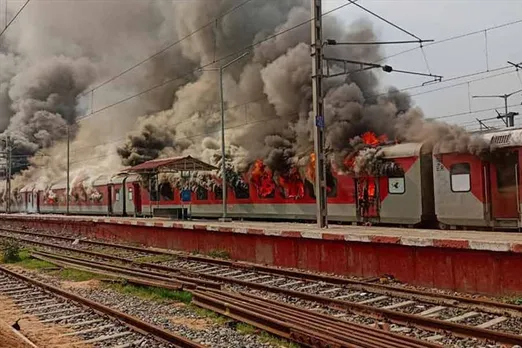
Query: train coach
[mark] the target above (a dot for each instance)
(405, 199)
(451, 190)
(480, 190)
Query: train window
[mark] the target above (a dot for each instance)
(242, 192)
(331, 185)
(460, 177)
(117, 192)
(397, 185)
(166, 192)
(218, 192)
(201, 194)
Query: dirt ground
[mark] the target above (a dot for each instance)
(38, 333)
(8, 339)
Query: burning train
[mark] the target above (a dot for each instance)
(380, 182)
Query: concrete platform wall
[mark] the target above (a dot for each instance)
(448, 265)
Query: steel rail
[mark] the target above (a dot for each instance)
(286, 272)
(133, 322)
(421, 322)
(294, 318)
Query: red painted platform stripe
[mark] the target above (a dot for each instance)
(200, 227)
(385, 239)
(332, 236)
(255, 231)
(141, 223)
(451, 243)
(291, 234)
(158, 224)
(225, 229)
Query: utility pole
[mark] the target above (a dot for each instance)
(224, 216)
(507, 117)
(8, 172)
(67, 195)
(318, 112)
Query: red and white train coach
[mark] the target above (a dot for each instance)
(481, 190)
(453, 189)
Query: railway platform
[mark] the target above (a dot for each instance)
(469, 261)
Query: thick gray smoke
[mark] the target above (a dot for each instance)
(43, 99)
(268, 95)
(55, 53)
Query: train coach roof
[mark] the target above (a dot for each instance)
(402, 150)
(504, 138)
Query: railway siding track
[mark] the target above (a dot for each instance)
(466, 317)
(93, 324)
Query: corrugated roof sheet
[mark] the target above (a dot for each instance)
(186, 163)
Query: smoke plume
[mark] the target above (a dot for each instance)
(55, 54)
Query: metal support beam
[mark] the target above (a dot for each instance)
(318, 112)
(8, 173)
(507, 117)
(67, 192)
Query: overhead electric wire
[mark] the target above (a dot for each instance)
(451, 38)
(206, 65)
(14, 17)
(384, 20)
(199, 135)
(166, 48)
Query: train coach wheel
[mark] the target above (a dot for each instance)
(443, 226)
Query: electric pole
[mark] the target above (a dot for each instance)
(67, 195)
(8, 174)
(318, 112)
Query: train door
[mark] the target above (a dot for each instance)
(504, 185)
(367, 197)
(109, 199)
(137, 198)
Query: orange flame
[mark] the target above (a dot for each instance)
(261, 177)
(292, 184)
(310, 170)
(371, 139)
(371, 189)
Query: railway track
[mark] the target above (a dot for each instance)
(81, 322)
(433, 317)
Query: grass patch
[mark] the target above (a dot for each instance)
(155, 258)
(25, 260)
(219, 254)
(152, 293)
(76, 275)
(216, 318)
(11, 251)
(246, 329)
(264, 336)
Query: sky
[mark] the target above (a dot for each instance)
(438, 20)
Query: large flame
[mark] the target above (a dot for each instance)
(369, 138)
(292, 184)
(261, 177)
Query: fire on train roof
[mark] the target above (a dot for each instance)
(171, 164)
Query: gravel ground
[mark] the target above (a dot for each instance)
(176, 317)
(511, 325)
